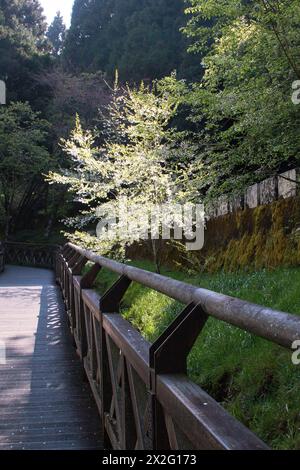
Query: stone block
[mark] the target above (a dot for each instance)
(252, 196)
(236, 203)
(287, 184)
(268, 190)
(223, 206)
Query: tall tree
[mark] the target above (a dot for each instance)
(22, 47)
(140, 38)
(57, 34)
(22, 23)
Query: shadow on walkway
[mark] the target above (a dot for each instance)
(44, 402)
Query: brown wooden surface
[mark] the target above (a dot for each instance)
(44, 402)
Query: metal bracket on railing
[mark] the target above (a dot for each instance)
(168, 355)
(110, 301)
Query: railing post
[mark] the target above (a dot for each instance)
(110, 303)
(68, 255)
(129, 435)
(106, 391)
(57, 266)
(168, 355)
(74, 267)
(2, 257)
(85, 282)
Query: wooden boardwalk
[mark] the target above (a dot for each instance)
(44, 402)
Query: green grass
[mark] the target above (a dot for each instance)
(252, 378)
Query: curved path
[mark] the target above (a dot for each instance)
(44, 402)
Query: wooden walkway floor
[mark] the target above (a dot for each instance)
(44, 402)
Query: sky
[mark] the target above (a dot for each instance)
(52, 6)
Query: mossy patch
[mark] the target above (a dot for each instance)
(264, 237)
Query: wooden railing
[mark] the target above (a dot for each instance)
(2, 261)
(142, 390)
(30, 254)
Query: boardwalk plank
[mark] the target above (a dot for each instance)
(45, 404)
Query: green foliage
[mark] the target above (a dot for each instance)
(22, 25)
(23, 48)
(23, 157)
(140, 38)
(250, 125)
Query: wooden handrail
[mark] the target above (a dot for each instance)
(279, 327)
(143, 393)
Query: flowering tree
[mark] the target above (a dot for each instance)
(142, 163)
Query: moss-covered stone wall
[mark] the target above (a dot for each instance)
(264, 237)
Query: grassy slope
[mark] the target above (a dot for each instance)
(252, 378)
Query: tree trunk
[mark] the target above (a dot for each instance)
(156, 255)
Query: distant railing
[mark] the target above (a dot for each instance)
(142, 390)
(1, 258)
(30, 254)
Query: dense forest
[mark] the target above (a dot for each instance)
(140, 38)
(198, 91)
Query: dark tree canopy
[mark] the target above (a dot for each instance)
(140, 38)
(22, 47)
(22, 24)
